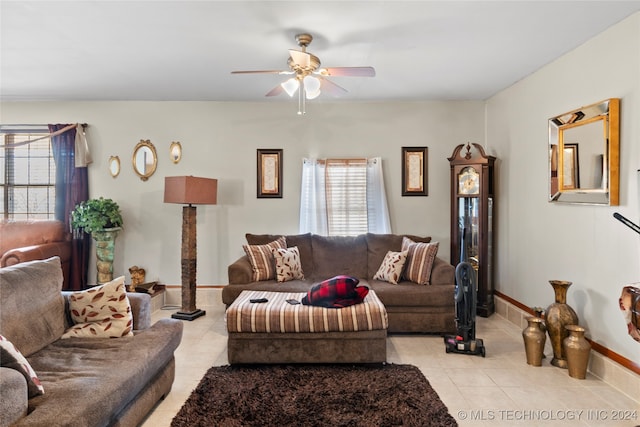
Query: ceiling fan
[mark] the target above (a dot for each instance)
(308, 79)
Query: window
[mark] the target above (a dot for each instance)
(343, 197)
(346, 194)
(27, 176)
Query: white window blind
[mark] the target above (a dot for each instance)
(346, 193)
(343, 197)
(28, 175)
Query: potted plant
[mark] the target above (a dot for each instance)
(96, 215)
(101, 218)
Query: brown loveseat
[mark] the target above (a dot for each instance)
(28, 240)
(88, 382)
(410, 307)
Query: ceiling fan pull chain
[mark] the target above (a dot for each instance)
(301, 99)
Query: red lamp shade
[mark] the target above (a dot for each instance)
(190, 190)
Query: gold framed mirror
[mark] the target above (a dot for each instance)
(114, 166)
(175, 151)
(145, 159)
(584, 155)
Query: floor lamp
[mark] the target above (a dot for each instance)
(189, 190)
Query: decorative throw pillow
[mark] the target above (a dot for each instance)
(288, 265)
(261, 258)
(391, 268)
(419, 262)
(337, 292)
(101, 312)
(10, 357)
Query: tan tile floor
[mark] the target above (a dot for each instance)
(499, 390)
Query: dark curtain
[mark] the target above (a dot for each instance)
(72, 187)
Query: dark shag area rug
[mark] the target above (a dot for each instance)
(314, 395)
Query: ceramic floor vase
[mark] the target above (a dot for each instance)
(105, 245)
(534, 340)
(558, 315)
(577, 350)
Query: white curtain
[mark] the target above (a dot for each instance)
(82, 155)
(377, 209)
(313, 202)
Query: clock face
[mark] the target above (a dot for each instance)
(468, 181)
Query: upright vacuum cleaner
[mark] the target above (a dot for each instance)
(466, 289)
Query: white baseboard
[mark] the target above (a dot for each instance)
(204, 297)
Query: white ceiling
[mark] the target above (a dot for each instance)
(185, 50)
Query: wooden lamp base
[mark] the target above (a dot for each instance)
(188, 316)
(189, 262)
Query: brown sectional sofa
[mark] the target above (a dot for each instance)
(88, 382)
(410, 307)
(28, 240)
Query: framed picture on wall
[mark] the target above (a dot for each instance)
(269, 173)
(414, 171)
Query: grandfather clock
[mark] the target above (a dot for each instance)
(472, 205)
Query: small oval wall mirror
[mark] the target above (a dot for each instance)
(175, 151)
(145, 159)
(584, 158)
(114, 166)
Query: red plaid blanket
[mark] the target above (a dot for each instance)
(337, 292)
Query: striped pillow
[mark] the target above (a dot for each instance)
(419, 262)
(261, 258)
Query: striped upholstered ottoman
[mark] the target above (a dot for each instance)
(279, 332)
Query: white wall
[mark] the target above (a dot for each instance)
(219, 140)
(539, 241)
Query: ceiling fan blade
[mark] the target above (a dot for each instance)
(349, 71)
(327, 86)
(301, 58)
(261, 72)
(275, 91)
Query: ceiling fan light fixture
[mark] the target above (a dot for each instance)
(309, 80)
(312, 87)
(290, 86)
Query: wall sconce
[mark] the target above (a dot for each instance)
(175, 151)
